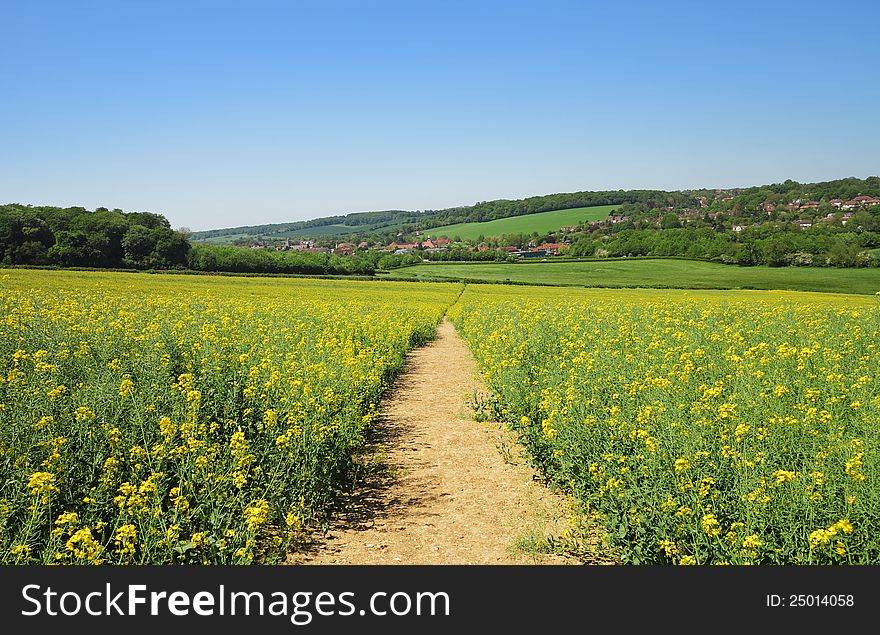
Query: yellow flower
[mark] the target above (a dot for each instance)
(84, 546)
(843, 525)
(783, 476)
(710, 525)
(752, 542)
(84, 414)
(126, 386)
(21, 552)
(125, 540)
(42, 483)
(257, 514)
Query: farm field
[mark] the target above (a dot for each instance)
(541, 222)
(662, 273)
(191, 419)
(163, 419)
(697, 427)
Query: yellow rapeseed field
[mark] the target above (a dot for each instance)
(698, 427)
(159, 419)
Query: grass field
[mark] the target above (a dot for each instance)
(681, 274)
(542, 223)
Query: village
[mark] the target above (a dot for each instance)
(428, 245)
(806, 213)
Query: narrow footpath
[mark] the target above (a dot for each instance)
(441, 488)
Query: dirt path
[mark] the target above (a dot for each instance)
(444, 489)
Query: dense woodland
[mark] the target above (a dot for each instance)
(76, 237)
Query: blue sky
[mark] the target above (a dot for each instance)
(231, 113)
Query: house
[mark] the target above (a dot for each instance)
(810, 205)
(614, 219)
(552, 249)
(363, 245)
(568, 229)
(804, 223)
(428, 244)
(835, 202)
(845, 219)
(769, 208)
(860, 201)
(344, 249)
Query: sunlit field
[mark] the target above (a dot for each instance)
(696, 427)
(160, 419)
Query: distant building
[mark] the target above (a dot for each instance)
(552, 249)
(344, 249)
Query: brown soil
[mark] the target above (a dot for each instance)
(441, 488)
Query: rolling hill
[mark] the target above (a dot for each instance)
(541, 223)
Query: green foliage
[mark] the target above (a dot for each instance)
(76, 237)
(774, 244)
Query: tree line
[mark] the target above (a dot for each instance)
(775, 245)
(76, 237)
(104, 238)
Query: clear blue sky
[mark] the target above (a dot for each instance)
(231, 113)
